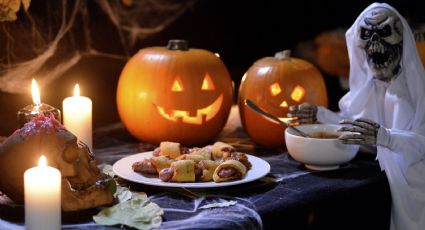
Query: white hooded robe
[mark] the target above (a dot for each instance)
(399, 107)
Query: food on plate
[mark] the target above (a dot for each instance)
(206, 152)
(175, 163)
(183, 171)
(207, 168)
(144, 166)
(170, 149)
(222, 150)
(229, 170)
(160, 162)
(242, 157)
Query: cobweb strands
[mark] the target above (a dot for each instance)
(52, 36)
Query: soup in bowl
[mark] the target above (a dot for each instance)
(321, 150)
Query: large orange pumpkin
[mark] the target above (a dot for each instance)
(174, 93)
(274, 84)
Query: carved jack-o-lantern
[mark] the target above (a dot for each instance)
(174, 93)
(274, 84)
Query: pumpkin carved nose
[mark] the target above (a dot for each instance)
(284, 104)
(177, 85)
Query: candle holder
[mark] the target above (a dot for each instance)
(30, 111)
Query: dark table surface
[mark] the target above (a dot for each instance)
(355, 196)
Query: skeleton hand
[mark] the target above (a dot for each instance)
(363, 132)
(304, 113)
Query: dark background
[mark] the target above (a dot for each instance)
(241, 31)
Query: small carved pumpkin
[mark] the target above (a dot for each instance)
(174, 93)
(274, 84)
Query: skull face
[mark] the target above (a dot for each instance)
(83, 185)
(381, 38)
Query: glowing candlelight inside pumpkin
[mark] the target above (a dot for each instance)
(77, 116)
(42, 185)
(30, 111)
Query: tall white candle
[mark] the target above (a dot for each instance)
(42, 194)
(77, 116)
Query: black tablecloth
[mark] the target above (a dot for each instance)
(355, 196)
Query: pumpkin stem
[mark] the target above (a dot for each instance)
(286, 54)
(178, 44)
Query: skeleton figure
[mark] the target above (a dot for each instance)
(83, 185)
(385, 107)
(381, 36)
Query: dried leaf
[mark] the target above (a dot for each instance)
(138, 212)
(219, 204)
(123, 194)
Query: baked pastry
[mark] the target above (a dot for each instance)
(207, 168)
(229, 170)
(221, 150)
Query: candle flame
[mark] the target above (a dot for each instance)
(76, 90)
(35, 93)
(42, 161)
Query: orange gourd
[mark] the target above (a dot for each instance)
(174, 93)
(274, 84)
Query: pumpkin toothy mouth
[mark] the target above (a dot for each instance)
(202, 115)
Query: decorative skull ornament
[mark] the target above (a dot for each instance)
(381, 36)
(83, 185)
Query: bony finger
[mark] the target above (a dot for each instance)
(293, 108)
(346, 122)
(362, 124)
(305, 106)
(352, 129)
(351, 136)
(368, 121)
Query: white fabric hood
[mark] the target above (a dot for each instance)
(412, 88)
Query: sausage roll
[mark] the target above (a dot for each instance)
(192, 157)
(207, 168)
(170, 149)
(160, 162)
(229, 170)
(143, 166)
(183, 171)
(222, 150)
(242, 157)
(206, 152)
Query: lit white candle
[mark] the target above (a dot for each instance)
(77, 116)
(42, 197)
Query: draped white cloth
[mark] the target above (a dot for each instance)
(399, 107)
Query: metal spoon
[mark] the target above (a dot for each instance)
(256, 109)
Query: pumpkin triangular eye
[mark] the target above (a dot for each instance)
(207, 83)
(177, 85)
(275, 89)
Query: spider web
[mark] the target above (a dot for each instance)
(53, 36)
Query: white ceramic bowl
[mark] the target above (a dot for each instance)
(319, 153)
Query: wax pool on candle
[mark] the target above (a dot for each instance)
(77, 116)
(30, 111)
(42, 197)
